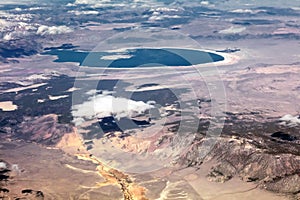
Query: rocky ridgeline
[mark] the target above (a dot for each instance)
(270, 161)
(43, 130)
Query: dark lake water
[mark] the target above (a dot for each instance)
(136, 57)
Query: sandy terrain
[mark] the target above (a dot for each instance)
(49, 171)
(234, 189)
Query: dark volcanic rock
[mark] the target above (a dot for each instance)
(63, 46)
(109, 124)
(18, 48)
(27, 191)
(4, 190)
(160, 96)
(289, 184)
(36, 194)
(283, 136)
(3, 177)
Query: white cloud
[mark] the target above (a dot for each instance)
(92, 92)
(15, 168)
(8, 37)
(156, 17)
(88, 1)
(162, 13)
(247, 11)
(35, 8)
(4, 24)
(296, 8)
(3, 165)
(204, 3)
(164, 9)
(16, 30)
(19, 17)
(18, 2)
(115, 4)
(242, 11)
(233, 30)
(99, 4)
(53, 30)
(84, 12)
(101, 106)
(290, 120)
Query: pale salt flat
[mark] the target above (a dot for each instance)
(8, 106)
(18, 89)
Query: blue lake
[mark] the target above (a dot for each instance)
(132, 58)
